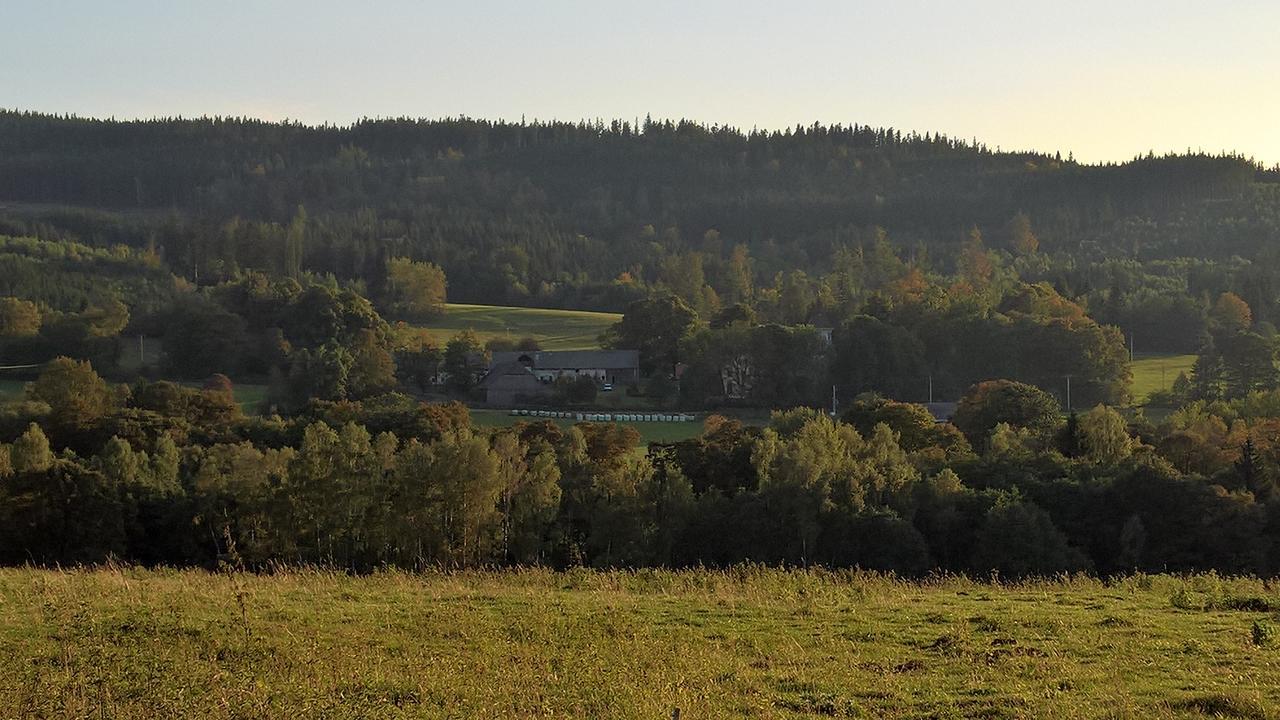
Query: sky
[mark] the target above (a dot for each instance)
(1104, 81)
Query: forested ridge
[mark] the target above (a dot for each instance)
(756, 271)
(586, 214)
(810, 225)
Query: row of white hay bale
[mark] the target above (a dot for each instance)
(605, 417)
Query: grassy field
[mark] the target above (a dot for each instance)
(249, 396)
(741, 643)
(663, 432)
(12, 389)
(1152, 373)
(553, 329)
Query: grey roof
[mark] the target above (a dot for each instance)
(572, 359)
(509, 373)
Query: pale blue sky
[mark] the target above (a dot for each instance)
(1106, 80)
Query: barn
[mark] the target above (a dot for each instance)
(617, 367)
(512, 383)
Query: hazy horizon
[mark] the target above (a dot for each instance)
(1102, 81)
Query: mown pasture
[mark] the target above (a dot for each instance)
(553, 329)
(1155, 373)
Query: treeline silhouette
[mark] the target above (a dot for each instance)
(157, 473)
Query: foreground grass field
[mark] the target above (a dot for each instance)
(553, 329)
(1153, 373)
(741, 643)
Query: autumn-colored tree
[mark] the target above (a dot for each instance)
(975, 265)
(19, 318)
(373, 370)
(738, 285)
(106, 320)
(218, 383)
(1231, 313)
(415, 290)
(1041, 300)
(1021, 238)
(910, 288)
(76, 395)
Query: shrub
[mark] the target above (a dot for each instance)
(1184, 599)
(1264, 633)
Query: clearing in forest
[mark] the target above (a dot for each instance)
(1153, 373)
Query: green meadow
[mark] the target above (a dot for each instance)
(746, 642)
(12, 389)
(553, 329)
(1153, 373)
(250, 396)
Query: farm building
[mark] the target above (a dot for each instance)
(619, 367)
(511, 383)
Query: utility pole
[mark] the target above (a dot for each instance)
(833, 401)
(1068, 393)
(931, 389)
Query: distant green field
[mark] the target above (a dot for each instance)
(250, 397)
(747, 642)
(553, 329)
(662, 432)
(12, 389)
(1152, 373)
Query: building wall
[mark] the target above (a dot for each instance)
(617, 376)
(505, 392)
